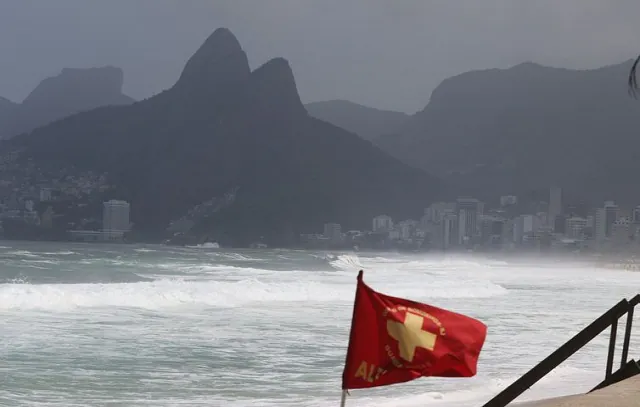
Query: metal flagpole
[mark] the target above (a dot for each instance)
(343, 401)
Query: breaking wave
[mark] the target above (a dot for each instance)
(168, 293)
(34, 274)
(345, 262)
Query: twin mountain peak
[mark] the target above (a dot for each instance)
(223, 128)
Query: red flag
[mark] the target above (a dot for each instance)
(394, 340)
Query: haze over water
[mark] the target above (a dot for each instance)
(90, 325)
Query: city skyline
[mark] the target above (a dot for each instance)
(468, 223)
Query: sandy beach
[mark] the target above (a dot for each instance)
(623, 394)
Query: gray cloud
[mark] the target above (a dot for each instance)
(387, 54)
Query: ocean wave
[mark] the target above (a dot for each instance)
(252, 286)
(350, 262)
(160, 294)
(207, 245)
(345, 262)
(233, 256)
(34, 274)
(23, 253)
(60, 253)
(145, 250)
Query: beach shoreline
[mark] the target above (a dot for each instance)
(623, 394)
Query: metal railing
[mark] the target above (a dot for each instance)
(606, 320)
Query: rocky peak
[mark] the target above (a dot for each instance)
(81, 85)
(275, 89)
(218, 62)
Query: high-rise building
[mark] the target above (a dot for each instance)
(523, 225)
(611, 213)
(507, 200)
(635, 217)
(449, 224)
(382, 223)
(115, 219)
(621, 231)
(407, 229)
(600, 222)
(604, 220)
(436, 212)
(469, 211)
(555, 205)
(574, 227)
(333, 231)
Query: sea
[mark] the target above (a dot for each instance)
(126, 325)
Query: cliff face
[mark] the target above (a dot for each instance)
(72, 91)
(222, 128)
(503, 131)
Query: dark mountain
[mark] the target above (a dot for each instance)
(514, 130)
(73, 91)
(7, 110)
(367, 122)
(224, 134)
(6, 103)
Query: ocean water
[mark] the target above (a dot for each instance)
(92, 325)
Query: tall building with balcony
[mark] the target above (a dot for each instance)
(115, 219)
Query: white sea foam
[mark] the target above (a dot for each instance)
(347, 262)
(234, 256)
(24, 253)
(156, 295)
(207, 245)
(143, 250)
(207, 324)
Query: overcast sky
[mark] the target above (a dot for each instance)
(382, 53)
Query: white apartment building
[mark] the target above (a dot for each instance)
(333, 232)
(437, 211)
(382, 223)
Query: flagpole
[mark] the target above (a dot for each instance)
(343, 401)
